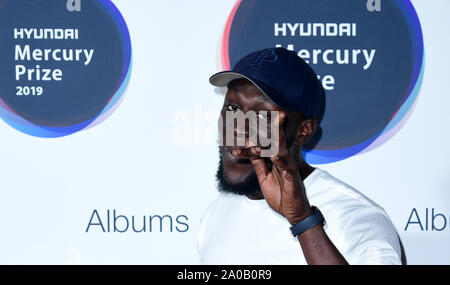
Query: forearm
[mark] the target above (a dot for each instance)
(318, 249)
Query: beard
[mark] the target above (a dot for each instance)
(249, 186)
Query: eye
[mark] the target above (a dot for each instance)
(232, 107)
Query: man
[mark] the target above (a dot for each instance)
(279, 209)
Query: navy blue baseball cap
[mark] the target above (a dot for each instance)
(286, 79)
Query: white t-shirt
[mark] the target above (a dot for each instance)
(238, 230)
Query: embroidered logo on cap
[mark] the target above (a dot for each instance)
(266, 55)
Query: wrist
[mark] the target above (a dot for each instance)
(302, 214)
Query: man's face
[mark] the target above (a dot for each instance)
(237, 174)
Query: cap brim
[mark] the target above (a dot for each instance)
(221, 79)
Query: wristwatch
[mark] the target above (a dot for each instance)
(312, 220)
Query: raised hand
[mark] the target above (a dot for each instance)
(282, 186)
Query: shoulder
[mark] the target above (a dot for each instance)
(339, 197)
(355, 223)
(323, 185)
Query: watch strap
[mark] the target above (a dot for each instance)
(312, 220)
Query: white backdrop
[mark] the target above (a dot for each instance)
(134, 163)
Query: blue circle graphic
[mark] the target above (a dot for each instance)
(370, 61)
(64, 64)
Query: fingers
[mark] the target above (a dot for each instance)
(254, 155)
(260, 169)
(281, 117)
(270, 193)
(251, 150)
(247, 152)
(282, 158)
(278, 124)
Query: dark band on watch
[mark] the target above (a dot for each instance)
(312, 220)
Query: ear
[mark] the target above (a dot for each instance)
(305, 131)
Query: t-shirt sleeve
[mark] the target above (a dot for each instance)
(374, 238)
